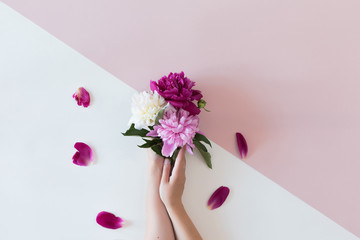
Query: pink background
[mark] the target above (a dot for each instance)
(284, 73)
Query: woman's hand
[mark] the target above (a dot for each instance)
(172, 187)
(155, 165)
(171, 191)
(158, 223)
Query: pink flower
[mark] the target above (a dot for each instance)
(84, 155)
(177, 90)
(109, 220)
(82, 97)
(177, 129)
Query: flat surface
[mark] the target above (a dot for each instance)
(284, 73)
(45, 196)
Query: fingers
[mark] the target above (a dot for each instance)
(180, 163)
(166, 171)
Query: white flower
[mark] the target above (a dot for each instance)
(145, 107)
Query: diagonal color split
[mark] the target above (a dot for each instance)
(284, 74)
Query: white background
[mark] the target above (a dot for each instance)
(45, 196)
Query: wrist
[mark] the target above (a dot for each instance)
(174, 205)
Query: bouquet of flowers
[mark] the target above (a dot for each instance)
(167, 118)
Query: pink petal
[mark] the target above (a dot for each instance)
(109, 220)
(243, 148)
(82, 97)
(152, 133)
(84, 155)
(168, 149)
(218, 197)
(188, 148)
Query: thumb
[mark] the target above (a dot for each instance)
(166, 171)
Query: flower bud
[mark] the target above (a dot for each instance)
(201, 103)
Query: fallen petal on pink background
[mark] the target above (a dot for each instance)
(218, 197)
(242, 145)
(82, 97)
(109, 220)
(84, 155)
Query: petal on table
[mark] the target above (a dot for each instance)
(109, 220)
(218, 197)
(242, 145)
(84, 155)
(82, 97)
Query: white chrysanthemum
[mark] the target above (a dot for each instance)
(145, 107)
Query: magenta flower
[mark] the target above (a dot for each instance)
(177, 129)
(242, 145)
(84, 155)
(109, 220)
(218, 197)
(177, 90)
(82, 97)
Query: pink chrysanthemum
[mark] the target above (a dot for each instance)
(177, 129)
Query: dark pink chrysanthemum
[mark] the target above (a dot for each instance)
(177, 90)
(242, 145)
(82, 97)
(218, 197)
(84, 155)
(177, 129)
(109, 220)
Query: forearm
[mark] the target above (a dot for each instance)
(158, 224)
(183, 226)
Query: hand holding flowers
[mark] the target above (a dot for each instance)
(167, 118)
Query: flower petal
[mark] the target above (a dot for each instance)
(168, 149)
(109, 220)
(218, 197)
(191, 108)
(82, 97)
(243, 148)
(84, 155)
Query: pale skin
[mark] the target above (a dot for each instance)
(166, 217)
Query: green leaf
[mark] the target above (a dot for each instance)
(202, 146)
(159, 116)
(157, 149)
(148, 144)
(151, 128)
(202, 138)
(206, 155)
(132, 131)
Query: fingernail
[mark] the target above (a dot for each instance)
(167, 161)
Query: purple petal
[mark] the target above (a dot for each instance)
(218, 197)
(243, 148)
(191, 108)
(82, 97)
(196, 95)
(153, 86)
(84, 155)
(178, 104)
(109, 220)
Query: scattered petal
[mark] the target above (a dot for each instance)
(218, 197)
(82, 97)
(109, 220)
(84, 155)
(243, 148)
